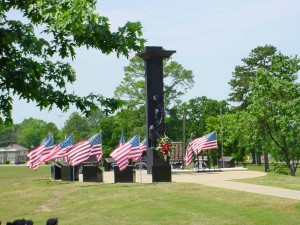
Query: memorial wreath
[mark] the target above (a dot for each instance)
(164, 147)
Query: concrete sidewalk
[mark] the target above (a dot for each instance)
(217, 179)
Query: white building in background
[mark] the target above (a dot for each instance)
(14, 153)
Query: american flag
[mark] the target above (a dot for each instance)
(207, 142)
(143, 145)
(121, 154)
(81, 151)
(97, 148)
(60, 150)
(122, 140)
(37, 153)
(136, 152)
(189, 152)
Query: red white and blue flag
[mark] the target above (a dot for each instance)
(189, 152)
(143, 145)
(81, 151)
(60, 150)
(136, 152)
(97, 148)
(122, 140)
(37, 153)
(121, 154)
(207, 142)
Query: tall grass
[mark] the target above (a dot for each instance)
(32, 195)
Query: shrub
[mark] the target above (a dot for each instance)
(280, 169)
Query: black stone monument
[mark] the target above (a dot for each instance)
(126, 176)
(68, 173)
(55, 171)
(108, 163)
(153, 58)
(161, 173)
(90, 172)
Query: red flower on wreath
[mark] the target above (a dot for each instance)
(164, 147)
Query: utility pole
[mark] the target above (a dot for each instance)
(221, 133)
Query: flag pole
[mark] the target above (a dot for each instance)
(198, 159)
(140, 167)
(53, 165)
(73, 167)
(217, 153)
(191, 137)
(101, 161)
(183, 138)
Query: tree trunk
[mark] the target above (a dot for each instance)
(258, 158)
(266, 159)
(293, 168)
(253, 157)
(288, 162)
(293, 171)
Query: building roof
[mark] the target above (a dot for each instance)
(16, 147)
(8, 150)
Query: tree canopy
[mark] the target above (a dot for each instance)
(7, 135)
(243, 75)
(31, 132)
(198, 110)
(177, 81)
(275, 103)
(33, 68)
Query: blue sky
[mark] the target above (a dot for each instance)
(210, 38)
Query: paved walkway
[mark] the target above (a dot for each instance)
(217, 179)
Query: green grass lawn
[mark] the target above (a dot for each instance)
(273, 179)
(32, 195)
